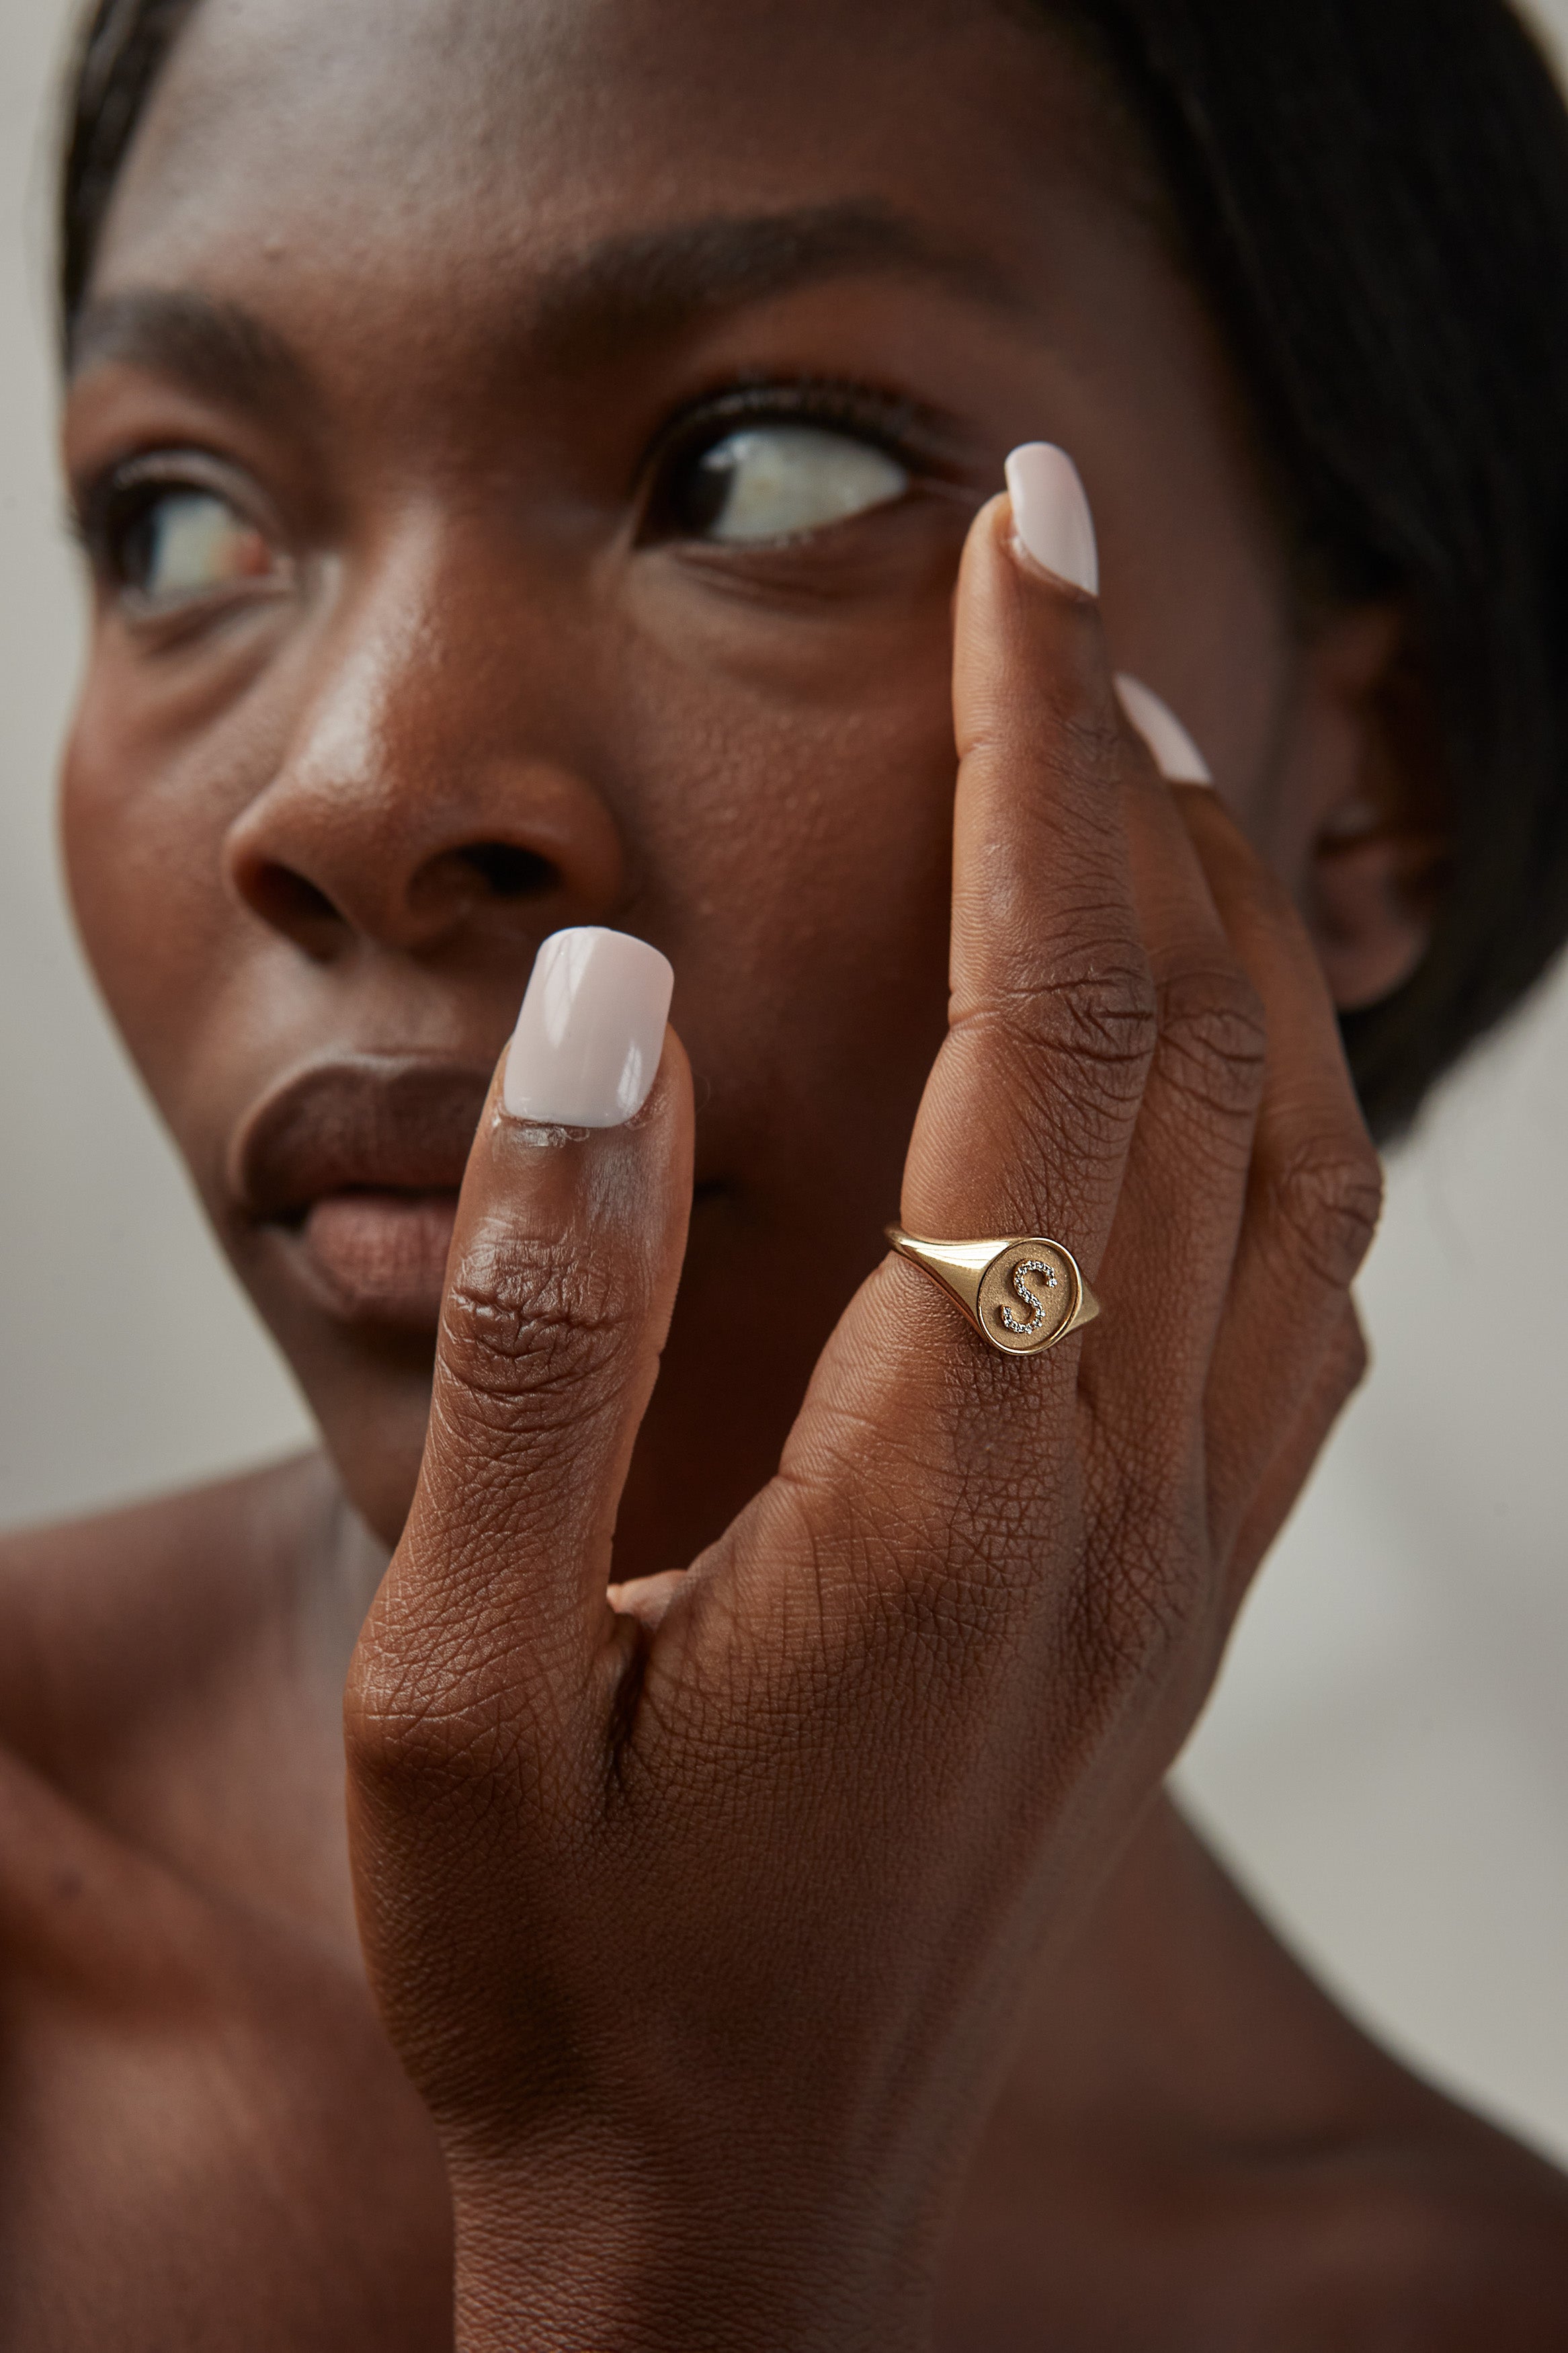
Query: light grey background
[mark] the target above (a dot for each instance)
(1387, 1758)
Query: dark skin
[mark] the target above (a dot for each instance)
(464, 671)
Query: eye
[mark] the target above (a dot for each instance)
(167, 532)
(772, 481)
(180, 544)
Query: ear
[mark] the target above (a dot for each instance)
(1370, 851)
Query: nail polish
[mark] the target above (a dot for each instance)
(586, 1049)
(1051, 514)
(1176, 756)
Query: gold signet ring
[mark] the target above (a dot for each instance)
(1023, 1293)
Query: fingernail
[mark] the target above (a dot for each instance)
(1176, 756)
(1050, 513)
(587, 1042)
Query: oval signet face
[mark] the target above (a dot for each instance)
(1029, 1295)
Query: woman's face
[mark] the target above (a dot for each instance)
(527, 445)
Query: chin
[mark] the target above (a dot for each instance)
(376, 1446)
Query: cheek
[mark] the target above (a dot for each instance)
(804, 825)
(142, 824)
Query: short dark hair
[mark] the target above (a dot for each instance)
(1375, 194)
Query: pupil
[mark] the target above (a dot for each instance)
(708, 490)
(139, 544)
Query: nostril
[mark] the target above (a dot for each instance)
(374, 895)
(508, 872)
(286, 900)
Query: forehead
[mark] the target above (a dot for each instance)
(461, 137)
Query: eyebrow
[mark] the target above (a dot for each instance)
(626, 291)
(216, 348)
(645, 285)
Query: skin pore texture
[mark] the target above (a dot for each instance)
(438, 299)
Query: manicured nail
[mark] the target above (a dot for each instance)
(1176, 756)
(1050, 513)
(587, 1042)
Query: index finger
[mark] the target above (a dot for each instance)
(1027, 1120)
(946, 1457)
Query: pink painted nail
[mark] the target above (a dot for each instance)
(586, 1049)
(1176, 756)
(1050, 513)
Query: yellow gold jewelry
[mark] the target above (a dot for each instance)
(1022, 1293)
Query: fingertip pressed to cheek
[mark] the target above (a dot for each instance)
(1051, 516)
(1029, 654)
(1052, 526)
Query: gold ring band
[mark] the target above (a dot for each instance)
(1022, 1292)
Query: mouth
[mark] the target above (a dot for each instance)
(352, 1168)
(380, 1257)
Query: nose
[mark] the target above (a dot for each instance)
(427, 792)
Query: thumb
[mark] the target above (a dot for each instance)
(570, 1234)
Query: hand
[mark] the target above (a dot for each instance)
(699, 1913)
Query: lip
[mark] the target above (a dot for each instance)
(354, 1165)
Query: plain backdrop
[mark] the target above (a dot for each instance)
(1386, 1761)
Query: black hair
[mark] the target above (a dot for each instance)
(1375, 194)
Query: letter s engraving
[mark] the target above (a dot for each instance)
(1028, 1266)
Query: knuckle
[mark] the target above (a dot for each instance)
(1107, 1010)
(1213, 1041)
(1095, 1012)
(1326, 1200)
(396, 1735)
(1146, 1592)
(523, 1322)
(1080, 733)
(422, 1729)
(1138, 1619)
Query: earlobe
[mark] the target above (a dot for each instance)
(1370, 906)
(1378, 851)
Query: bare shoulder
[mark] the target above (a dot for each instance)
(1457, 2240)
(1347, 2201)
(250, 1510)
(1432, 2244)
(101, 1617)
(1201, 2153)
(203, 2137)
